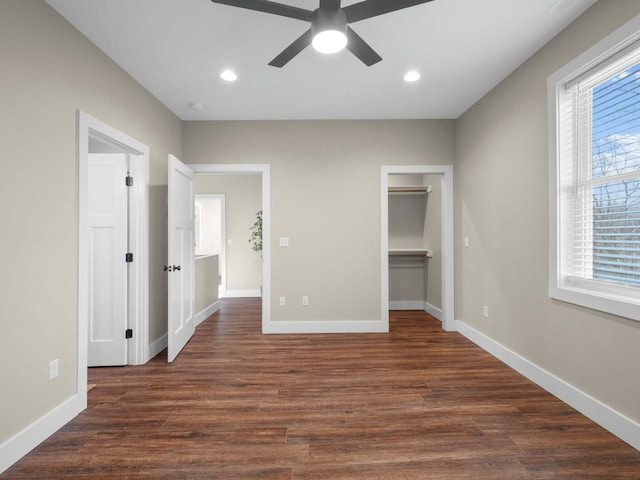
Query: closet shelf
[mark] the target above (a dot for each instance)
(409, 189)
(410, 252)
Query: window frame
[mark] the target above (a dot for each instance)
(619, 300)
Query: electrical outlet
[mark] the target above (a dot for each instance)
(305, 301)
(485, 311)
(284, 241)
(54, 366)
(283, 301)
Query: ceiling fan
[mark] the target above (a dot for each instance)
(330, 31)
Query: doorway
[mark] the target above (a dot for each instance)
(209, 231)
(444, 175)
(264, 171)
(95, 136)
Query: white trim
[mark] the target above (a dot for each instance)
(207, 312)
(139, 273)
(433, 311)
(240, 293)
(446, 171)
(608, 418)
(159, 345)
(16, 447)
(265, 171)
(406, 305)
(326, 326)
(89, 126)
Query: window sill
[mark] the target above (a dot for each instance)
(586, 294)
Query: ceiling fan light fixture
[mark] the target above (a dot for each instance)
(329, 41)
(329, 30)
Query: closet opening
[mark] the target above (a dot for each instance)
(417, 241)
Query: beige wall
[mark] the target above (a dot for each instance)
(502, 185)
(243, 199)
(206, 281)
(325, 196)
(49, 72)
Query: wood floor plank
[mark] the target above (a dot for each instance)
(416, 403)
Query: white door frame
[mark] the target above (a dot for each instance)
(448, 322)
(265, 171)
(138, 351)
(222, 257)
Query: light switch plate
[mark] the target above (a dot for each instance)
(284, 241)
(54, 365)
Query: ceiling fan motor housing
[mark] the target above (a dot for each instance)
(324, 19)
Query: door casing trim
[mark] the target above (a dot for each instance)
(446, 172)
(138, 350)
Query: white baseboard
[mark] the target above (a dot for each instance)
(329, 326)
(26, 440)
(207, 312)
(433, 311)
(406, 305)
(618, 424)
(159, 345)
(240, 293)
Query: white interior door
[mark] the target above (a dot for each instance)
(107, 207)
(181, 266)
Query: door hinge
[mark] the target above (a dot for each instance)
(128, 181)
(128, 257)
(128, 333)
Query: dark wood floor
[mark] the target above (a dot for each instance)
(417, 403)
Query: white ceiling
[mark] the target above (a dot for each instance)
(177, 49)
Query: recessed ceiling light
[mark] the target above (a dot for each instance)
(411, 76)
(228, 76)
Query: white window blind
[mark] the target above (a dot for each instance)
(599, 176)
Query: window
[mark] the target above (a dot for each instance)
(595, 176)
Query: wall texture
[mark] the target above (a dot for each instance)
(502, 186)
(49, 72)
(325, 196)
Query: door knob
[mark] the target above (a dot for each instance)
(177, 267)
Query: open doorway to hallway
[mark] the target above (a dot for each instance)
(246, 190)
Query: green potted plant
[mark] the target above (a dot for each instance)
(255, 239)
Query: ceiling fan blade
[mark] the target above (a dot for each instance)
(361, 49)
(373, 8)
(330, 4)
(269, 7)
(292, 50)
